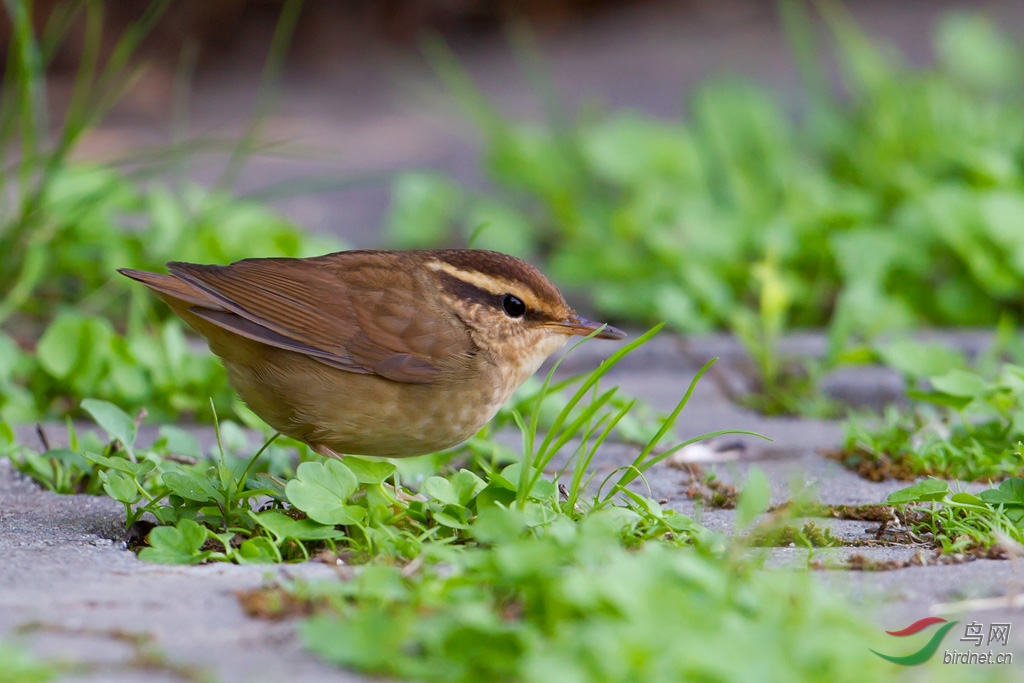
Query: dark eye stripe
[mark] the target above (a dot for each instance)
(468, 291)
(505, 302)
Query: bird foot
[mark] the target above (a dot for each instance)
(404, 496)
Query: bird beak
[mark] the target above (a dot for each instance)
(577, 326)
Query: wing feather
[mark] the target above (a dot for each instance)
(334, 310)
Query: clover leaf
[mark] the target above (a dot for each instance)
(258, 550)
(1010, 492)
(369, 471)
(179, 544)
(321, 491)
(281, 526)
(458, 489)
(922, 491)
(190, 487)
(120, 487)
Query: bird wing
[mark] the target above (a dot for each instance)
(334, 310)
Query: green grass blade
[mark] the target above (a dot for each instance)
(643, 462)
(583, 463)
(279, 44)
(544, 456)
(460, 84)
(593, 378)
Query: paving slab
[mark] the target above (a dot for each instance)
(79, 591)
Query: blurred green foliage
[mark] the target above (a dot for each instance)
(73, 327)
(960, 423)
(87, 331)
(895, 202)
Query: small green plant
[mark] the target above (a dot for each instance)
(960, 424)
(17, 666)
(206, 508)
(963, 522)
(809, 535)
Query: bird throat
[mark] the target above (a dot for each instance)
(524, 354)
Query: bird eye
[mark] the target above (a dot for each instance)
(513, 306)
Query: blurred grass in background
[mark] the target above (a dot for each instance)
(895, 200)
(72, 327)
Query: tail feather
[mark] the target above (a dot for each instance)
(170, 287)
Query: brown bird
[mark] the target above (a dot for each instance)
(384, 353)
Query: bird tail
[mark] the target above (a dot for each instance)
(170, 288)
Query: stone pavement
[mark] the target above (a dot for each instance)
(67, 577)
(65, 573)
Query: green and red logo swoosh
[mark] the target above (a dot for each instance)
(925, 653)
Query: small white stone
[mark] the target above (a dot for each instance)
(702, 451)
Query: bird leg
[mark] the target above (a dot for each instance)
(325, 451)
(400, 494)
